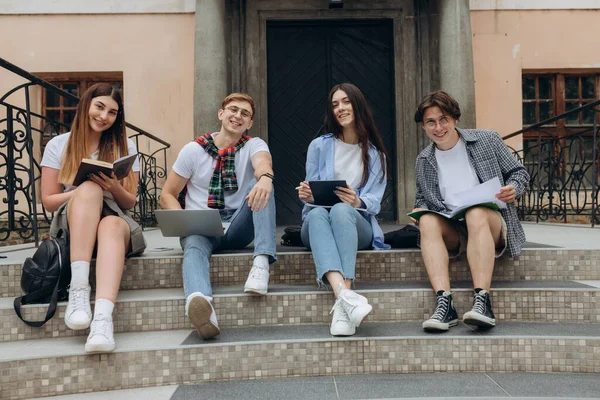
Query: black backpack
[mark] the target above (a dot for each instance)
(46, 276)
(405, 238)
(292, 237)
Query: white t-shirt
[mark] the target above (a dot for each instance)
(195, 164)
(54, 152)
(455, 172)
(348, 164)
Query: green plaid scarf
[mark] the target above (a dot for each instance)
(223, 177)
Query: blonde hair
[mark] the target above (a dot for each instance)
(113, 142)
(239, 97)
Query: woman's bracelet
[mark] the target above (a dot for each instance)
(268, 175)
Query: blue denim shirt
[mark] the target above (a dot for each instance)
(319, 166)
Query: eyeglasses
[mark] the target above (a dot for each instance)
(234, 110)
(431, 124)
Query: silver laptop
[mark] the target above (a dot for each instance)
(190, 222)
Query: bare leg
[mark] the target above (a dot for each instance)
(113, 242)
(485, 228)
(437, 236)
(347, 283)
(335, 278)
(83, 215)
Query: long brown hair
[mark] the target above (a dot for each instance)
(113, 142)
(364, 124)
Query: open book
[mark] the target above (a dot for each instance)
(88, 166)
(457, 213)
(482, 195)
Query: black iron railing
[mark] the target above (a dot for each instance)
(23, 134)
(562, 156)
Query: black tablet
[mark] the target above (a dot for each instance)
(322, 192)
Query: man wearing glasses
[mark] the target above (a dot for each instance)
(458, 160)
(230, 171)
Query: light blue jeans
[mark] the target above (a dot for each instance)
(334, 236)
(245, 226)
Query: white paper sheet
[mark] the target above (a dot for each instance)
(482, 193)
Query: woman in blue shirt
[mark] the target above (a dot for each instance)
(353, 151)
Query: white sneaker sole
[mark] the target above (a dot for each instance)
(341, 332)
(261, 292)
(77, 327)
(99, 348)
(199, 312)
(476, 319)
(432, 325)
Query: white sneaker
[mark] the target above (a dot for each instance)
(79, 314)
(100, 339)
(340, 323)
(258, 281)
(356, 306)
(201, 313)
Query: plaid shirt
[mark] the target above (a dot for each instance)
(491, 158)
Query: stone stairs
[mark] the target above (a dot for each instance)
(546, 304)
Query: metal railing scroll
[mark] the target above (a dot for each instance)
(23, 135)
(562, 156)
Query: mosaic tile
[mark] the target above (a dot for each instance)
(80, 374)
(374, 266)
(313, 308)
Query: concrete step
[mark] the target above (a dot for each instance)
(474, 386)
(48, 367)
(372, 266)
(163, 309)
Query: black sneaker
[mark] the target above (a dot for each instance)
(481, 314)
(444, 315)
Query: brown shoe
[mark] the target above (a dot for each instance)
(202, 315)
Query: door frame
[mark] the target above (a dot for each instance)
(252, 69)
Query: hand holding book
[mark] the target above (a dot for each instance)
(107, 183)
(508, 194)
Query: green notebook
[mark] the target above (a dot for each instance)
(457, 213)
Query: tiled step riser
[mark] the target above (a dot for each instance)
(314, 308)
(78, 374)
(151, 273)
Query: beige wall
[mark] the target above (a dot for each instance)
(507, 42)
(155, 53)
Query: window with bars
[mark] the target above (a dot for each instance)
(549, 94)
(60, 111)
(546, 95)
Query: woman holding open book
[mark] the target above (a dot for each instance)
(352, 152)
(94, 212)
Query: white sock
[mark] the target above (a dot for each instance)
(80, 273)
(104, 309)
(262, 261)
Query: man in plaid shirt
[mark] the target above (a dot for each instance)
(232, 172)
(457, 160)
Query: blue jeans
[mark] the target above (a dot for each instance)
(244, 227)
(334, 236)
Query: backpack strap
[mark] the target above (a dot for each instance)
(34, 297)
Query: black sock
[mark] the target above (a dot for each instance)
(478, 289)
